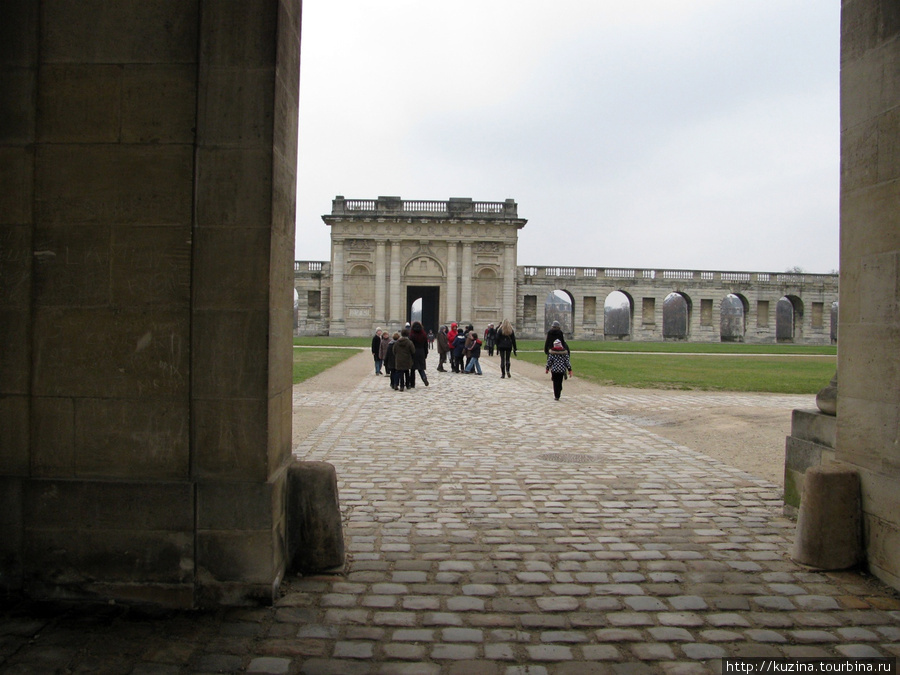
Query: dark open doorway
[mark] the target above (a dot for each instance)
(430, 296)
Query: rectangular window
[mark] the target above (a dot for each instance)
(648, 311)
(818, 315)
(706, 312)
(313, 303)
(762, 314)
(529, 311)
(590, 310)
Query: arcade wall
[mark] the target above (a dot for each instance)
(811, 303)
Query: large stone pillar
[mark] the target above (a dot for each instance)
(868, 409)
(397, 313)
(337, 325)
(380, 283)
(452, 282)
(147, 240)
(466, 313)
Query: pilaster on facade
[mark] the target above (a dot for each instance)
(380, 281)
(510, 274)
(452, 310)
(396, 307)
(466, 315)
(337, 288)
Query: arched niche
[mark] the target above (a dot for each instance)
(559, 306)
(788, 318)
(676, 316)
(618, 312)
(733, 318)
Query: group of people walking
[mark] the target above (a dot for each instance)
(403, 354)
(462, 347)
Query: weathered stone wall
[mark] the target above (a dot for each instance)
(462, 250)
(868, 414)
(145, 318)
(588, 289)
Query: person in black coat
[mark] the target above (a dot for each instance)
(376, 351)
(420, 339)
(458, 348)
(506, 344)
(555, 333)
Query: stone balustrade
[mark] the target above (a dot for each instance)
(780, 279)
(395, 206)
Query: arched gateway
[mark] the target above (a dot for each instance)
(458, 257)
(457, 260)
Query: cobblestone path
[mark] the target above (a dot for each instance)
(491, 530)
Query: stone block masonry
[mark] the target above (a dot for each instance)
(459, 256)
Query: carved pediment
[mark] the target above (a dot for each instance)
(424, 266)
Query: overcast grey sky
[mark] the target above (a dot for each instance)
(699, 134)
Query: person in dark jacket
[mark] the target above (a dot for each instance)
(420, 339)
(559, 366)
(376, 351)
(443, 348)
(490, 337)
(474, 354)
(506, 343)
(555, 333)
(382, 352)
(459, 348)
(471, 336)
(404, 359)
(390, 365)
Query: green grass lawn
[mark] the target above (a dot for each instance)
(685, 347)
(774, 374)
(784, 369)
(311, 362)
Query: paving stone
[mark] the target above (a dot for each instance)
(413, 635)
(645, 604)
(549, 653)
(773, 602)
(457, 652)
(500, 652)
(653, 651)
(404, 651)
(563, 636)
(679, 619)
(421, 668)
(353, 650)
(758, 635)
(560, 604)
(719, 635)
(813, 636)
(670, 634)
(462, 635)
(334, 667)
(703, 652)
(859, 651)
(466, 604)
(817, 603)
(687, 602)
(726, 619)
(631, 618)
(816, 619)
(474, 668)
